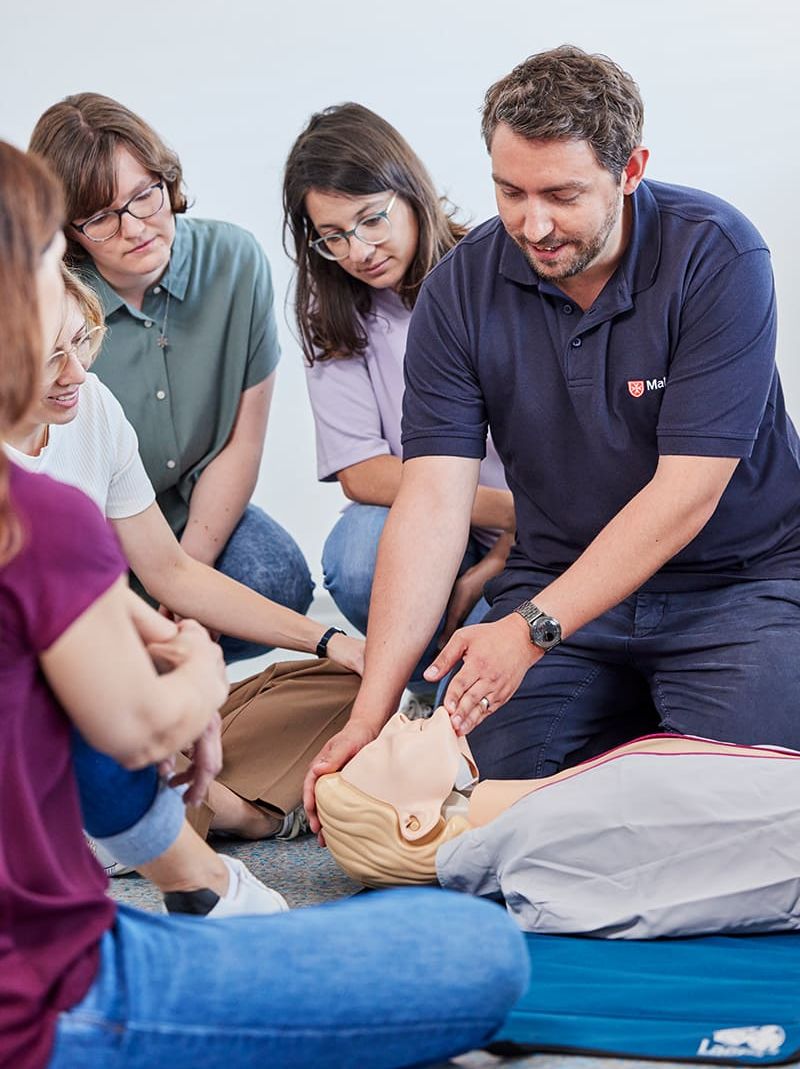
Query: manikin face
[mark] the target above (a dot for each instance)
(381, 266)
(64, 370)
(138, 254)
(560, 206)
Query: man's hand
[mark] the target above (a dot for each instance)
(496, 657)
(205, 757)
(348, 652)
(334, 755)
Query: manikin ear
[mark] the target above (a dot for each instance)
(634, 169)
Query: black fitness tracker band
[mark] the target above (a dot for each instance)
(322, 645)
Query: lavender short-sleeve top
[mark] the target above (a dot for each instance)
(357, 401)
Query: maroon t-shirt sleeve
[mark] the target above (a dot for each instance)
(67, 562)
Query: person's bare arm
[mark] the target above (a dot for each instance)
(190, 588)
(468, 588)
(416, 567)
(224, 489)
(376, 482)
(103, 675)
(656, 524)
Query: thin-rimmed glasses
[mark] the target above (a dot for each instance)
(371, 230)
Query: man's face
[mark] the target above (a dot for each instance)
(557, 203)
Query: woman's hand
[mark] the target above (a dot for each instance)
(348, 652)
(205, 763)
(468, 587)
(334, 755)
(496, 657)
(192, 645)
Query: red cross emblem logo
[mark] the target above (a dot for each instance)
(636, 387)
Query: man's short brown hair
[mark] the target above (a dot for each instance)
(568, 94)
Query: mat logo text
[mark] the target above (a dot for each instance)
(754, 1041)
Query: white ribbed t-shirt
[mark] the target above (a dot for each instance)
(97, 452)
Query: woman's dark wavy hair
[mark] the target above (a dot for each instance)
(31, 212)
(350, 150)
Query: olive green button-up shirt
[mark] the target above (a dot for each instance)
(222, 339)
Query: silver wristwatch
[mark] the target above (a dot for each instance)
(545, 630)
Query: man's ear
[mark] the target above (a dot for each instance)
(634, 169)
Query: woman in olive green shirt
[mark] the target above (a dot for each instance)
(192, 344)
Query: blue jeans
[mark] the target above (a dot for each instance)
(348, 564)
(399, 978)
(723, 664)
(133, 814)
(262, 555)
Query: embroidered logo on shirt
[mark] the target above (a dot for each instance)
(754, 1041)
(636, 387)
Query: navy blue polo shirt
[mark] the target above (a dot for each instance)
(676, 356)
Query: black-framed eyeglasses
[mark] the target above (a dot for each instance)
(107, 224)
(372, 230)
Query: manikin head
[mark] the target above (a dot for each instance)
(382, 814)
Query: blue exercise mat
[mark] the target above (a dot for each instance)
(725, 999)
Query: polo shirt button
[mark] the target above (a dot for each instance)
(157, 289)
(170, 464)
(148, 323)
(567, 309)
(576, 343)
(160, 395)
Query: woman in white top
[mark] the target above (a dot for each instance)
(78, 434)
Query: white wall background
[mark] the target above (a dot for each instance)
(231, 84)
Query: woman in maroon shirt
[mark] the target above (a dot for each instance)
(83, 983)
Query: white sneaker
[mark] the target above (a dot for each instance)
(110, 864)
(246, 896)
(294, 825)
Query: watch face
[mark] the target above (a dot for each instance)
(546, 632)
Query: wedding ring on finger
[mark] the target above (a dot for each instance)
(485, 703)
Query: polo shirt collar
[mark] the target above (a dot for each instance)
(639, 265)
(175, 279)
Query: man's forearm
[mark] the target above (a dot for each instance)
(420, 550)
(656, 524)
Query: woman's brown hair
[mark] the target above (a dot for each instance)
(79, 138)
(31, 212)
(348, 149)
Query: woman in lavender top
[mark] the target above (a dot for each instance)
(365, 226)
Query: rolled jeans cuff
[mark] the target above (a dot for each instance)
(153, 833)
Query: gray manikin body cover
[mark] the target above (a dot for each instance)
(646, 845)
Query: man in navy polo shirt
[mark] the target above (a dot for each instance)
(618, 337)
